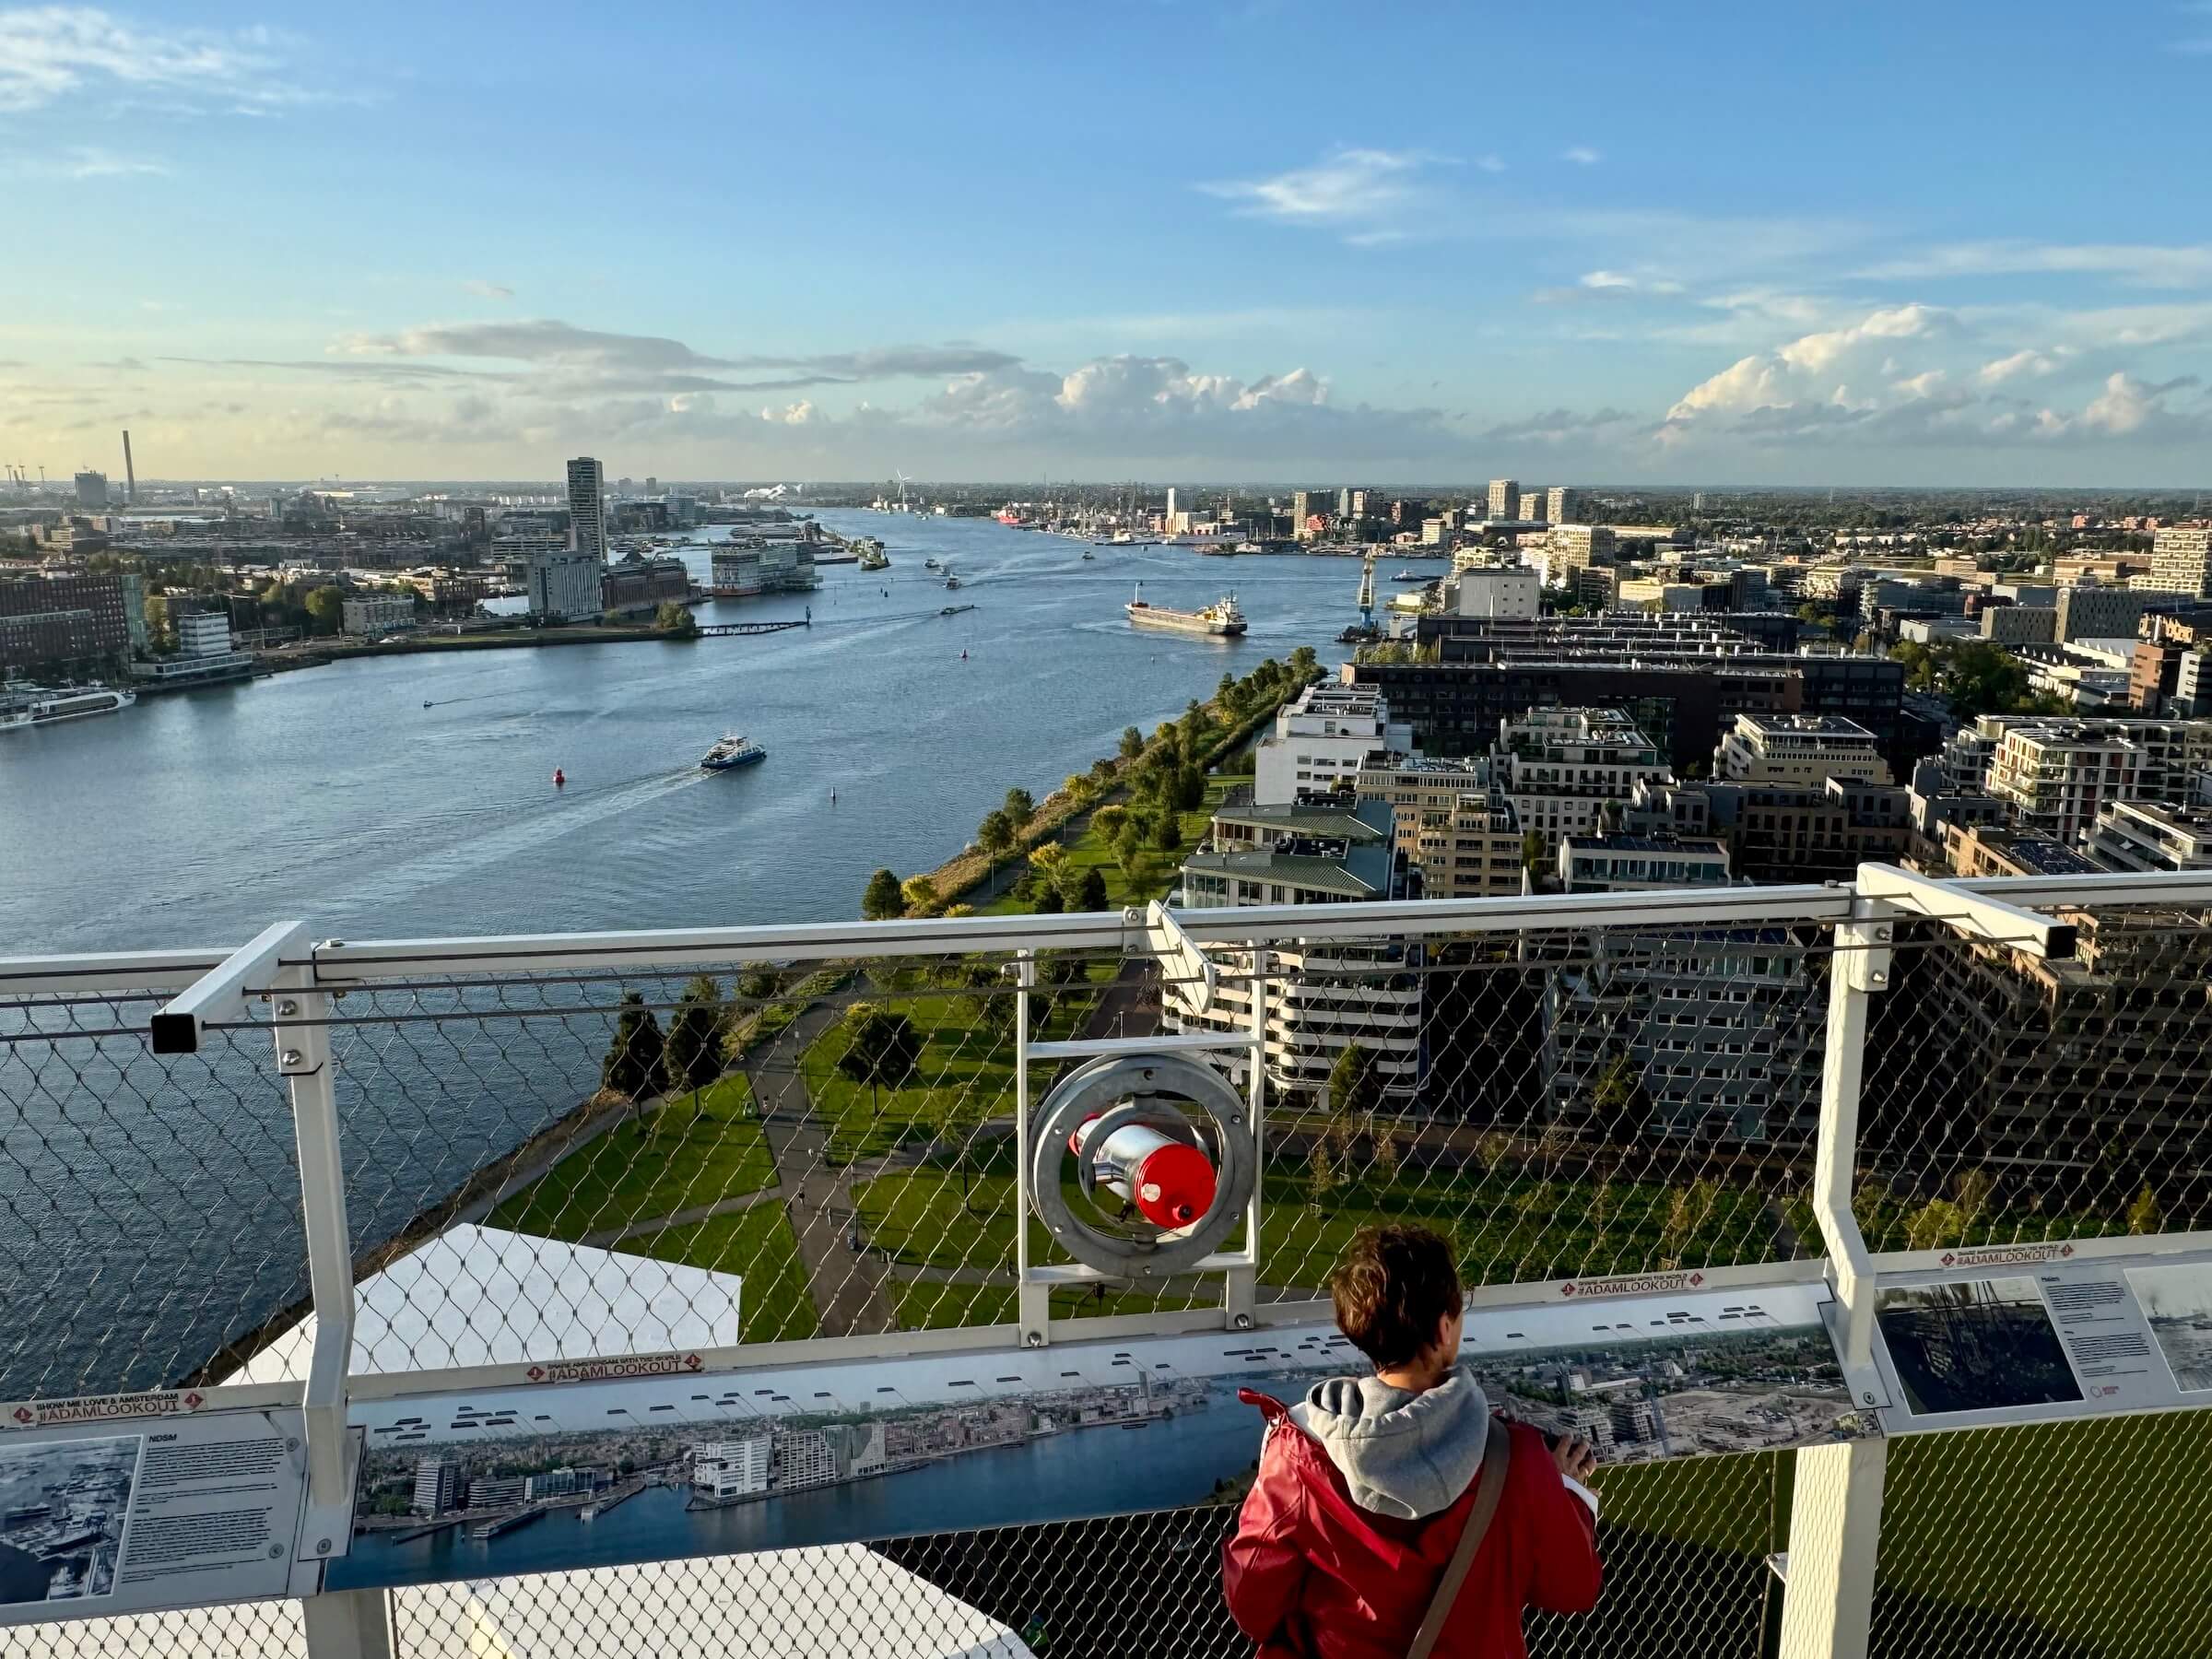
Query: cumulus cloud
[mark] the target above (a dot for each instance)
(2127, 407)
(1609, 285)
(1581, 155)
(2000, 369)
(487, 290)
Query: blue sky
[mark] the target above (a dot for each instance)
(1265, 240)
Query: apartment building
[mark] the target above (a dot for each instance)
(2094, 611)
(366, 615)
(2181, 562)
(1628, 863)
(1367, 992)
(1571, 547)
(2148, 835)
(1472, 850)
(1798, 749)
(1805, 831)
(1991, 849)
(2057, 773)
(1322, 740)
(1560, 766)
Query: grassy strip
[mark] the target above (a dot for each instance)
(1155, 876)
(757, 1245)
(680, 1154)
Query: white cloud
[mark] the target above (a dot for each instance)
(1998, 372)
(1581, 155)
(1747, 384)
(1815, 353)
(487, 290)
(1919, 386)
(1361, 194)
(52, 52)
(2144, 265)
(1490, 164)
(91, 162)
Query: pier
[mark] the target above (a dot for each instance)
(428, 1528)
(720, 630)
(506, 1524)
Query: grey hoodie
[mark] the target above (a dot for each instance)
(1402, 1454)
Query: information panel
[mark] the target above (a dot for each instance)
(2003, 1337)
(643, 1460)
(105, 1513)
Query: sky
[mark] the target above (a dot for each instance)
(1259, 240)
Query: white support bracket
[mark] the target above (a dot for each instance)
(1191, 974)
(303, 1056)
(1835, 1535)
(1860, 967)
(218, 996)
(1992, 921)
(347, 1624)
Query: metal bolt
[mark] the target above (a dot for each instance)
(1243, 1321)
(1880, 979)
(286, 1008)
(292, 1445)
(1034, 1338)
(322, 1546)
(276, 1552)
(1869, 1396)
(290, 1057)
(1885, 932)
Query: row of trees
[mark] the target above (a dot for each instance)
(1977, 678)
(642, 1061)
(1164, 774)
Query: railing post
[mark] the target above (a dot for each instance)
(1240, 1285)
(1835, 1531)
(352, 1625)
(1032, 1303)
(1836, 1509)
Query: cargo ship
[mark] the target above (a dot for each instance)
(1220, 619)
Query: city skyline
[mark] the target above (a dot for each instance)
(1589, 276)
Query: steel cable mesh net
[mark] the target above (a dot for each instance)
(2081, 1540)
(149, 1204)
(2009, 1099)
(242, 1630)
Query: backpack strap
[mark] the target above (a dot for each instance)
(1496, 1453)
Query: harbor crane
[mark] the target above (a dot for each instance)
(1367, 592)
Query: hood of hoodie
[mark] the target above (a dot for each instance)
(1404, 1454)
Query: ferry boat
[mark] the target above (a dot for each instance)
(870, 553)
(952, 581)
(1220, 619)
(75, 704)
(732, 751)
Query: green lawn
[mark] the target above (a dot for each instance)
(965, 1074)
(675, 1159)
(1086, 851)
(758, 1245)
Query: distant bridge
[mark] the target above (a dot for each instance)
(716, 631)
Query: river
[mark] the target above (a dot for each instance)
(333, 793)
(149, 1207)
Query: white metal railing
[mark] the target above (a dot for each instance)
(287, 984)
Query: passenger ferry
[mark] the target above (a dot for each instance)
(76, 704)
(732, 751)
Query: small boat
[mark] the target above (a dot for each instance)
(1090, 554)
(952, 581)
(732, 751)
(1408, 576)
(931, 564)
(954, 610)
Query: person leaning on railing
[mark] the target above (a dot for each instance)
(1394, 1515)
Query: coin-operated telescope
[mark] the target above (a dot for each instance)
(1164, 1163)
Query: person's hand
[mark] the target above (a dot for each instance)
(1575, 1457)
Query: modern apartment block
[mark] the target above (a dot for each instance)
(1504, 499)
(1708, 1033)
(1330, 995)
(2148, 835)
(1560, 766)
(1571, 547)
(566, 586)
(2096, 612)
(2057, 772)
(1562, 504)
(1810, 831)
(2181, 562)
(1798, 749)
(1503, 591)
(1418, 788)
(67, 624)
(1628, 863)
(587, 509)
(1321, 741)
(367, 615)
(2020, 624)
(1988, 849)
(1472, 850)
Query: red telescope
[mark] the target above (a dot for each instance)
(1170, 1181)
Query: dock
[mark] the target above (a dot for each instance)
(506, 1524)
(722, 631)
(427, 1529)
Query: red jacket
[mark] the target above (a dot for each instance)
(1310, 1574)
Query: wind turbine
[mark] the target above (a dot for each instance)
(901, 478)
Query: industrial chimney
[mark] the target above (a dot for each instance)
(130, 478)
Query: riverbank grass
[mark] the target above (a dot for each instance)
(757, 1244)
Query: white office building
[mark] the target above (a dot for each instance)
(1499, 591)
(1798, 749)
(2144, 836)
(1322, 740)
(587, 509)
(567, 586)
(732, 1468)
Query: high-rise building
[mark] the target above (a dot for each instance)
(566, 585)
(93, 489)
(732, 1468)
(1562, 505)
(1171, 507)
(2088, 611)
(1505, 499)
(2057, 771)
(1576, 547)
(437, 1486)
(587, 507)
(2181, 562)
(1499, 591)
(67, 624)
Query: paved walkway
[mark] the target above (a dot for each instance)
(609, 1236)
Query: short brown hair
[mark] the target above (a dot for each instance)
(1392, 1288)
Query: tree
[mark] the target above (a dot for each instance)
(1020, 808)
(882, 900)
(996, 835)
(1618, 1102)
(1091, 895)
(757, 984)
(1166, 837)
(325, 609)
(1048, 857)
(1048, 901)
(694, 1048)
(1388, 1156)
(920, 892)
(1133, 742)
(1355, 1085)
(1190, 789)
(2143, 1214)
(636, 1063)
(1129, 844)
(1305, 664)
(1531, 849)
(1107, 821)
(1080, 788)
(881, 1047)
(675, 618)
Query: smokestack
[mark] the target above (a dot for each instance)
(130, 478)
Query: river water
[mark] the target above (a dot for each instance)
(333, 793)
(149, 1207)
